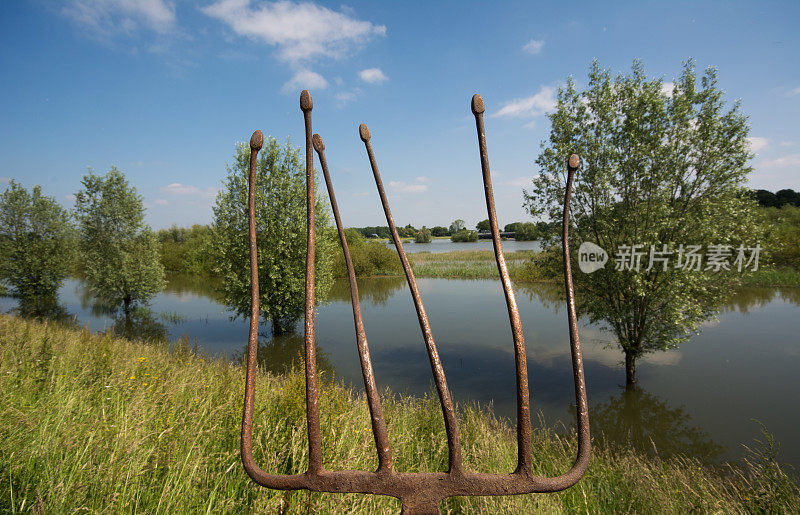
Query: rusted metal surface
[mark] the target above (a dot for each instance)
(418, 492)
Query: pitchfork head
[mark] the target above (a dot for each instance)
(418, 492)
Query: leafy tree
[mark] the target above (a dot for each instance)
(511, 227)
(657, 169)
(457, 225)
(526, 231)
(35, 242)
(483, 226)
(185, 250)
(281, 236)
(120, 256)
(423, 236)
(782, 235)
(439, 231)
(464, 235)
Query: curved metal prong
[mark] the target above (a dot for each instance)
(312, 394)
(520, 359)
(373, 398)
(451, 426)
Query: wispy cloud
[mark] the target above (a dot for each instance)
(105, 18)
(528, 107)
(757, 143)
(372, 76)
(533, 46)
(161, 202)
(782, 162)
(344, 97)
(788, 143)
(402, 187)
(795, 91)
(70, 197)
(300, 31)
(177, 188)
(305, 79)
(5, 180)
(519, 182)
(667, 88)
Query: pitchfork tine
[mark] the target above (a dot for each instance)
(523, 401)
(312, 396)
(373, 399)
(451, 426)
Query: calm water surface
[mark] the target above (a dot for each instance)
(700, 399)
(445, 245)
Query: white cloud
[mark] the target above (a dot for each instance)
(795, 91)
(534, 105)
(519, 182)
(69, 197)
(407, 188)
(423, 179)
(105, 18)
(782, 162)
(757, 143)
(534, 46)
(161, 202)
(300, 31)
(5, 180)
(177, 188)
(305, 79)
(372, 76)
(344, 97)
(788, 143)
(667, 88)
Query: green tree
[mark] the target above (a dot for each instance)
(457, 225)
(281, 236)
(526, 231)
(483, 226)
(423, 236)
(438, 231)
(657, 169)
(464, 235)
(120, 254)
(35, 242)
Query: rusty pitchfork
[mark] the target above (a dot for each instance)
(418, 492)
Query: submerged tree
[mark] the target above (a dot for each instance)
(35, 243)
(280, 236)
(659, 168)
(119, 252)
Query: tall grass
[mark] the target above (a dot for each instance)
(94, 423)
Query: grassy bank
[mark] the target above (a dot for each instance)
(93, 423)
(467, 264)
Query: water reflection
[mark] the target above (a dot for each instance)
(649, 424)
(141, 325)
(44, 308)
(376, 290)
(280, 353)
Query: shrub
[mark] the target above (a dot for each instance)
(464, 235)
(423, 236)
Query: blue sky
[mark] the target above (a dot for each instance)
(164, 89)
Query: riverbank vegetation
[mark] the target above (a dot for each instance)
(90, 422)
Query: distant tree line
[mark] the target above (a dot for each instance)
(780, 198)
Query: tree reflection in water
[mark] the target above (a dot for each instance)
(280, 353)
(141, 326)
(377, 290)
(647, 423)
(44, 308)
